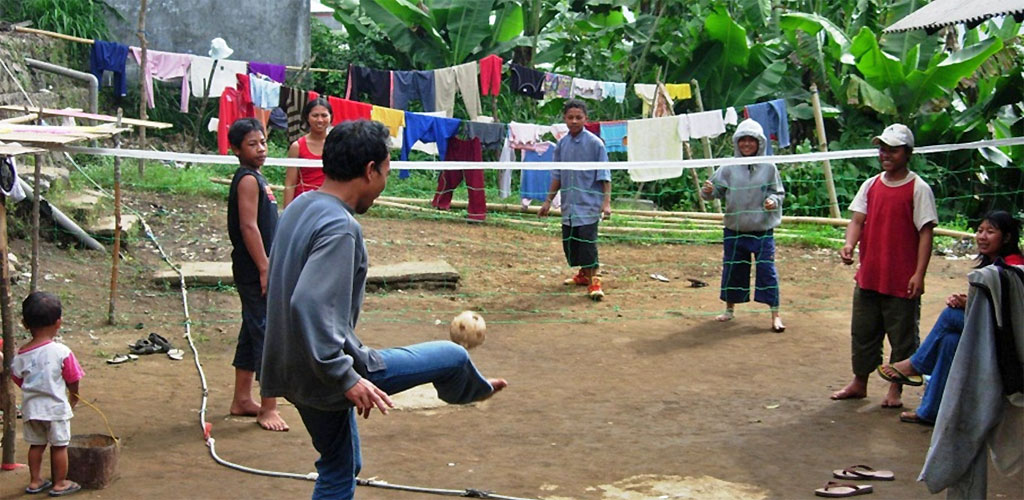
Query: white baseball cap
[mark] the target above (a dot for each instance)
(896, 134)
(219, 49)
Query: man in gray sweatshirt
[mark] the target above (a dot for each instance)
(753, 208)
(317, 277)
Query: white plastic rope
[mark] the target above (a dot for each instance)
(491, 165)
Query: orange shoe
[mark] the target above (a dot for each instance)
(594, 290)
(579, 280)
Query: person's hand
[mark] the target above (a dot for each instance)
(957, 301)
(366, 396)
(263, 282)
(606, 210)
(846, 253)
(915, 288)
(769, 204)
(544, 209)
(708, 187)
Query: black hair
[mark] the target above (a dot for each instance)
(353, 144)
(241, 128)
(308, 108)
(574, 103)
(40, 309)
(1010, 227)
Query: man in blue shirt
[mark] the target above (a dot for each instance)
(586, 197)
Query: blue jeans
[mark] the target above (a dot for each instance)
(935, 356)
(738, 247)
(334, 433)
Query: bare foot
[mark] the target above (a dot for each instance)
(271, 420)
(245, 408)
(726, 316)
(858, 389)
(894, 398)
(497, 384)
(904, 367)
(777, 325)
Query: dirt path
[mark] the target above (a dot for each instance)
(640, 396)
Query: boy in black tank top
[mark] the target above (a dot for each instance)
(252, 221)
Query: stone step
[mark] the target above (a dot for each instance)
(435, 275)
(83, 200)
(104, 227)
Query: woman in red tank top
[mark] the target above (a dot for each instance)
(316, 117)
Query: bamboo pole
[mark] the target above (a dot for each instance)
(6, 393)
(693, 175)
(704, 140)
(819, 122)
(37, 181)
(111, 316)
(144, 101)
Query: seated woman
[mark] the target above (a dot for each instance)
(998, 237)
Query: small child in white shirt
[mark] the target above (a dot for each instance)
(46, 371)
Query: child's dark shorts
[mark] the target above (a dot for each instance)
(249, 352)
(580, 245)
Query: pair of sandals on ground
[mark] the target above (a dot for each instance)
(894, 375)
(835, 489)
(153, 344)
(48, 484)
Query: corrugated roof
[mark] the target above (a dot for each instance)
(941, 13)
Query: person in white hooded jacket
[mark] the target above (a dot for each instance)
(753, 208)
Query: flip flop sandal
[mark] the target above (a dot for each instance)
(863, 472)
(833, 489)
(696, 283)
(42, 487)
(912, 418)
(66, 491)
(176, 354)
(900, 377)
(143, 346)
(121, 358)
(161, 343)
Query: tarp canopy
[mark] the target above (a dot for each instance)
(941, 13)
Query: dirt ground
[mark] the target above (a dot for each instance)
(641, 396)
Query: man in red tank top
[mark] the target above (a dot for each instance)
(893, 217)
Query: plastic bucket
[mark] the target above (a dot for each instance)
(92, 460)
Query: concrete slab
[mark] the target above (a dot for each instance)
(436, 275)
(104, 227)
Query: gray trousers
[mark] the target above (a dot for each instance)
(875, 315)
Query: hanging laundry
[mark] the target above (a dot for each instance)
(706, 124)
(684, 127)
(492, 135)
(774, 119)
(556, 85)
(616, 90)
(448, 180)
(678, 90)
(266, 93)
(593, 128)
(654, 139)
(426, 128)
(228, 113)
(109, 56)
(292, 102)
(505, 176)
(534, 184)
(490, 75)
(731, 118)
(525, 135)
(527, 81)
(343, 110)
(375, 82)
(413, 85)
(463, 77)
(223, 76)
(164, 66)
(245, 104)
(275, 72)
(393, 119)
(645, 91)
(588, 89)
(559, 130)
(613, 134)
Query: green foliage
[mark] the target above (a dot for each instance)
(335, 51)
(81, 18)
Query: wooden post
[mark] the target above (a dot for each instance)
(111, 319)
(704, 140)
(819, 122)
(693, 175)
(6, 393)
(143, 102)
(37, 175)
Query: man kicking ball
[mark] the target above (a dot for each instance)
(312, 356)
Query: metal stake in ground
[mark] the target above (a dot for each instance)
(34, 280)
(117, 224)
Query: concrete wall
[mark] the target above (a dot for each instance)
(274, 31)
